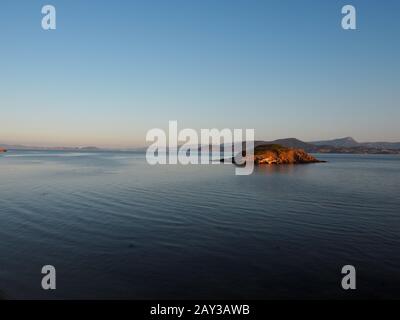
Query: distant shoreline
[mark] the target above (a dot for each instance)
(336, 146)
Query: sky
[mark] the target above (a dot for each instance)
(112, 70)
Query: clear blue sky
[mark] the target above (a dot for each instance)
(114, 69)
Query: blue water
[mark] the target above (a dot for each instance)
(115, 227)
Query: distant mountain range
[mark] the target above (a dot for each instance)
(343, 145)
(349, 142)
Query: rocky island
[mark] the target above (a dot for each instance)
(3, 150)
(275, 154)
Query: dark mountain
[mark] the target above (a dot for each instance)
(347, 142)
(294, 143)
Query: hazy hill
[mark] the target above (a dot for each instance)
(294, 143)
(349, 142)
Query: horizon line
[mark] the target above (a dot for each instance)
(91, 146)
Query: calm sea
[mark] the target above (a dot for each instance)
(115, 227)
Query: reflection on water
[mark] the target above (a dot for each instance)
(116, 227)
(282, 169)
